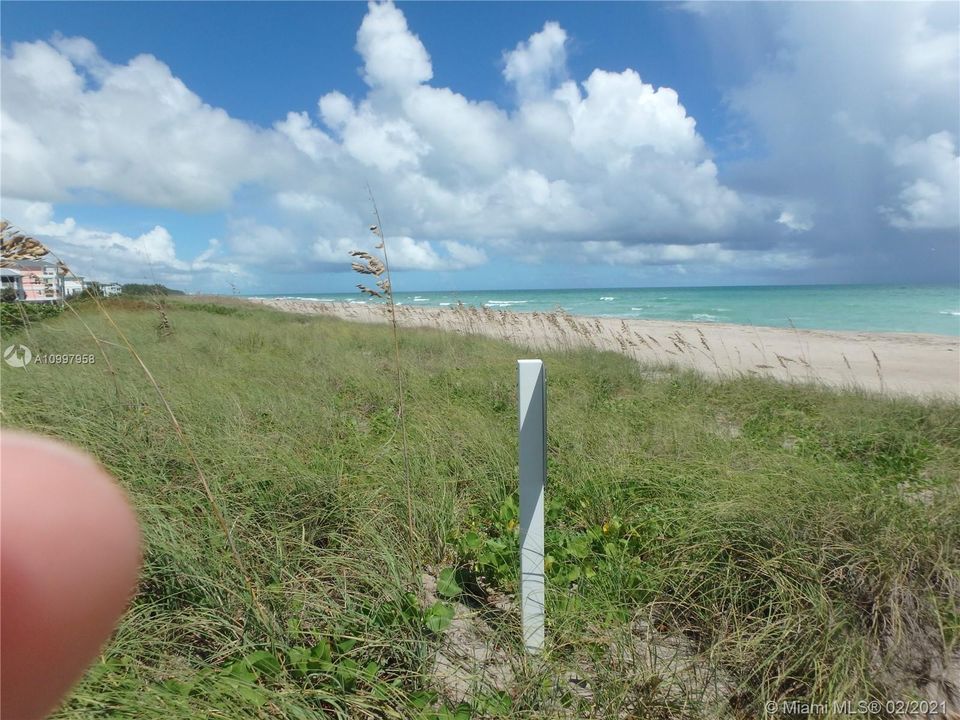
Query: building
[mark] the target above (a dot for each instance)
(72, 285)
(41, 281)
(11, 279)
(108, 289)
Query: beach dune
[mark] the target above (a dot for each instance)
(904, 364)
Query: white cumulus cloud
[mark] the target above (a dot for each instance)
(537, 63)
(931, 199)
(114, 257)
(394, 58)
(405, 253)
(74, 122)
(457, 180)
(794, 221)
(610, 155)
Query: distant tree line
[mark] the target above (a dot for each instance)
(9, 295)
(155, 289)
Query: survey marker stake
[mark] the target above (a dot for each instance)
(532, 397)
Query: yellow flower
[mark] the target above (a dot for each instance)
(511, 524)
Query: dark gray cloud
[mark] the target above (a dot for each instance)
(852, 120)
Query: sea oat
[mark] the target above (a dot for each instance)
(164, 328)
(372, 265)
(703, 340)
(879, 368)
(16, 246)
(782, 360)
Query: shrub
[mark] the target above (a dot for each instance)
(17, 314)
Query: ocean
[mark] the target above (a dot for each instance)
(879, 308)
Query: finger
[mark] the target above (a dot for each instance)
(69, 556)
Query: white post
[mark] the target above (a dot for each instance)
(532, 398)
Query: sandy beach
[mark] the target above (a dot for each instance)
(896, 363)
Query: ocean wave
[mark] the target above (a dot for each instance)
(705, 317)
(420, 299)
(444, 303)
(949, 312)
(608, 298)
(506, 302)
(637, 309)
(308, 299)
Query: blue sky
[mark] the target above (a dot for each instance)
(508, 144)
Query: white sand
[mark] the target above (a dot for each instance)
(896, 363)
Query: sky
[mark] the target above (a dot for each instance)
(221, 146)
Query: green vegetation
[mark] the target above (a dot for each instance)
(17, 314)
(786, 543)
(142, 289)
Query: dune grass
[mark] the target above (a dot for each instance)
(790, 543)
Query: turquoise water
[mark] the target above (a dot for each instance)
(879, 308)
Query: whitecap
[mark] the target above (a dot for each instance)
(444, 303)
(505, 302)
(608, 298)
(704, 317)
(949, 312)
(420, 299)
